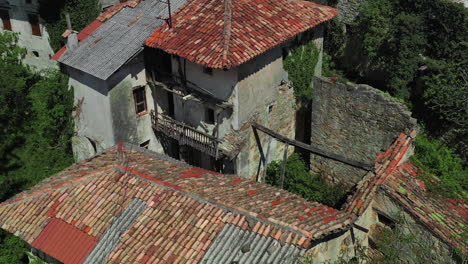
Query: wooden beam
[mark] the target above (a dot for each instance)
(311, 149)
(283, 168)
(262, 156)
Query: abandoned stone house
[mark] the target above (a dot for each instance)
(21, 16)
(188, 79)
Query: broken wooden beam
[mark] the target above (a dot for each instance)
(312, 149)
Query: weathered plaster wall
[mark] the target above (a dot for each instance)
(357, 122)
(331, 248)
(127, 125)
(19, 11)
(93, 119)
(258, 82)
(280, 119)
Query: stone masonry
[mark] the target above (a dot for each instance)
(355, 121)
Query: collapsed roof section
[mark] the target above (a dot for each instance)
(134, 205)
(225, 34)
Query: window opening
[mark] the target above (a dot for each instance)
(36, 53)
(145, 144)
(35, 27)
(5, 15)
(386, 220)
(139, 98)
(270, 108)
(210, 116)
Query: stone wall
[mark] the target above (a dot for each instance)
(349, 10)
(354, 121)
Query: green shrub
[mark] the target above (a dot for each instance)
(12, 249)
(439, 160)
(300, 65)
(299, 181)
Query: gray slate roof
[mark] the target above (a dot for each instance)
(118, 39)
(234, 245)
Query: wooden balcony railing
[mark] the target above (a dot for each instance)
(185, 134)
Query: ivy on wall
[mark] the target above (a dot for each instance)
(300, 65)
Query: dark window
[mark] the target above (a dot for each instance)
(386, 220)
(35, 27)
(36, 53)
(208, 70)
(270, 108)
(140, 100)
(210, 116)
(145, 144)
(5, 15)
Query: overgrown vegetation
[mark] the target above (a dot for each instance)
(298, 180)
(300, 65)
(36, 117)
(439, 160)
(417, 51)
(53, 13)
(12, 249)
(36, 130)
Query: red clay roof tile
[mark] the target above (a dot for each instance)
(225, 34)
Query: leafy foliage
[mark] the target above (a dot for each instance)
(53, 13)
(299, 181)
(12, 249)
(300, 65)
(36, 117)
(437, 159)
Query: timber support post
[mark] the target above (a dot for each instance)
(283, 167)
(262, 156)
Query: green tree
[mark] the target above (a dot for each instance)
(12, 249)
(439, 160)
(53, 13)
(298, 180)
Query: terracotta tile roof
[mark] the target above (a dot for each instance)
(184, 210)
(386, 163)
(447, 218)
(225, 34)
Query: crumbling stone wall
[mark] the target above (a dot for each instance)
(355, 121)
(349, 10)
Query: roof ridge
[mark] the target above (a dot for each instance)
(227, 30)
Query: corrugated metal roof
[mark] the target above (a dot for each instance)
(234, 245)
(64, 242)
(112, 236)
(118, 39)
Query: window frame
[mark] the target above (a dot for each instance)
(136, 103)
(210, 116)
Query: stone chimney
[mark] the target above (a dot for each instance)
(71, 35)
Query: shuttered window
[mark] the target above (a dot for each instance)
(5, 15)
(35, 27)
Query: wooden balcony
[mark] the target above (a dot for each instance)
(185, 134)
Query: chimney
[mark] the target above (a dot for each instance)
(70, 34)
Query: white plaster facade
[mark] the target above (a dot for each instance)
(38, 47)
